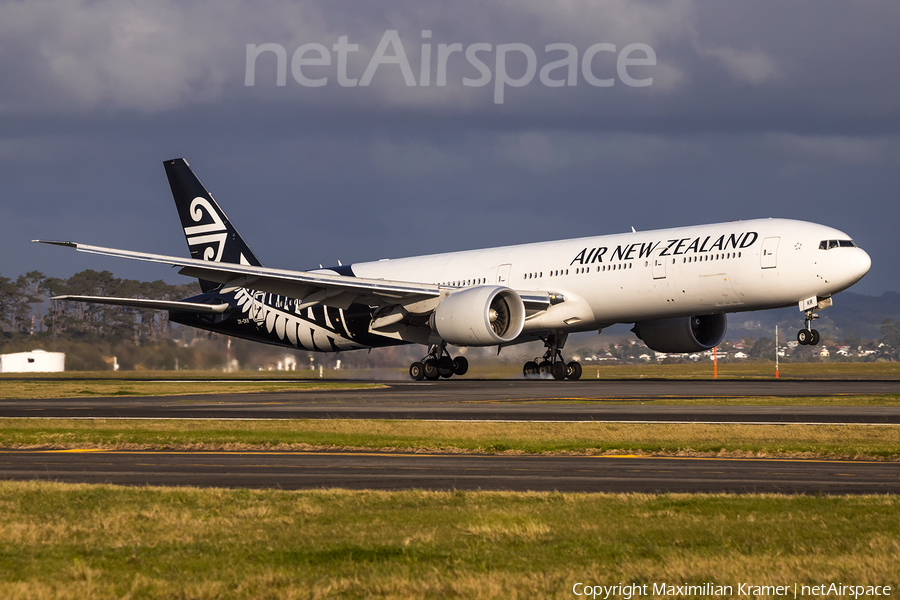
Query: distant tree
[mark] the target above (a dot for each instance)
(32, 290)
(8, 297)
(764, 347)
(890, 336)
(17, 313)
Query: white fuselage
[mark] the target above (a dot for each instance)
(624, 278)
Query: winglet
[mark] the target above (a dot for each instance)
(66, 244)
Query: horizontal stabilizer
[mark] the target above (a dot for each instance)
(192, 307)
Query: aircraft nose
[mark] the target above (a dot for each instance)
(859, 263)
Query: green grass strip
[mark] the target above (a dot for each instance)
(880, 442)
(32, 389)
(66, 541)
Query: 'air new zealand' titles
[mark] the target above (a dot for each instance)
(675, 247)
(675, 285)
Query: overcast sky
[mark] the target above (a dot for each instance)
(754, 109)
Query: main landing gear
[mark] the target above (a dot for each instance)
(552, 363)
(808, 336)
(438, 363)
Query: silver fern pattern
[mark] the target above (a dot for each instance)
(301, 328)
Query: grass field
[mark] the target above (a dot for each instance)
(822, 441)
(58, 388)
(77, 541)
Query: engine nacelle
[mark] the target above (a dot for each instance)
(480, 316)
(682, 334)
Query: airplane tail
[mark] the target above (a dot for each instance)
(209, 233)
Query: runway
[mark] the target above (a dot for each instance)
(511, 400)
(395, 471)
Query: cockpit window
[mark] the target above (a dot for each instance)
(829, 244)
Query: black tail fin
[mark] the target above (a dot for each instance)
(209, 233)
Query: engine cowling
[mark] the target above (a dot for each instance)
(682, 334)
(479, 316)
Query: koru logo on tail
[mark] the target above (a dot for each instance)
(212, 235)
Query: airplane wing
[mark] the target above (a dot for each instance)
(311, 288)
(194, 307)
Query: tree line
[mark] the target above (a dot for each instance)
(26, 308)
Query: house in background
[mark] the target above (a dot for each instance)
(36, 361)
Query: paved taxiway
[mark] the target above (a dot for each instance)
(586, 400)
(392, 471)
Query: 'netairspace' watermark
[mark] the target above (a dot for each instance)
(561, 72)
(628, 591)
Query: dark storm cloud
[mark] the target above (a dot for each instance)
(756, 109)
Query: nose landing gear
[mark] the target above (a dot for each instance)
(552, 363)
(438, 363)
(808, 336)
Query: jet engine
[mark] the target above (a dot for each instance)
(682, 334)
(479, 316)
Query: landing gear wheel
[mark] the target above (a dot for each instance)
(438, 363)
(445, 367)
(460, 365)
(544, 367)
(558, 370)
(417, 371)
(530, 369)
(808, 336)
(573, 371)
(431, 370)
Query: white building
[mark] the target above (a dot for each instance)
(36, 361)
